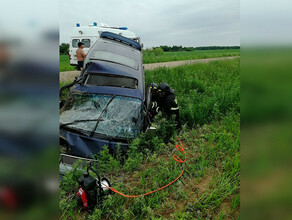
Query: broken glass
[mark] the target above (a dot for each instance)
(121, 118)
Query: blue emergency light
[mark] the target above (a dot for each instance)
(123, 28)
(77, 25)
(94, 24)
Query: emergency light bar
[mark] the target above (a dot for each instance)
(95, 25)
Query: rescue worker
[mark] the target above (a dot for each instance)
(154, 100)
(80, 55)
(167, 102)
(154, 88)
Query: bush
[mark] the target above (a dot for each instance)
(64, 48)
(106, 162)
(158, 51)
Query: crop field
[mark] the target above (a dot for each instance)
(209, 98)
(166, 57)
(188, 55)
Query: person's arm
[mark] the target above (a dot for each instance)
(83, 54)
(172, 106)
(171, 103)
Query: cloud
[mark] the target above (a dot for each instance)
(183, 22)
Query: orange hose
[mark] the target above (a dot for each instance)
(176, 158)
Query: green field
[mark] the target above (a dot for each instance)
(166, 57)
(209, 100)
(188, 55)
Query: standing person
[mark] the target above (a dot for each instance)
(80, 55)
(168, 103)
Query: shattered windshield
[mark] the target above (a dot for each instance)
(115, 116)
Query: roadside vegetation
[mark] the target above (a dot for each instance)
(65, 63)
(157, 55)
(209, 100)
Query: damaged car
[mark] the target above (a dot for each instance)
(107, 104)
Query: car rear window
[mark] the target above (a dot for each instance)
(115, 81)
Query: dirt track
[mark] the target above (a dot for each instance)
(70, 75)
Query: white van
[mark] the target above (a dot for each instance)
(89, 34)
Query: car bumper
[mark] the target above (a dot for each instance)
(88, 147)
(67, 161)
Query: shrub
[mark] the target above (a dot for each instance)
(158, 51)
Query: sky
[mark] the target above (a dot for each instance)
(189, 23)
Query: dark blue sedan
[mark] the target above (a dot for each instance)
(107, 104)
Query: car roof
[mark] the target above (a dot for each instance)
(114, 47)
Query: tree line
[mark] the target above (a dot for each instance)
(217, 47)
(181, 48)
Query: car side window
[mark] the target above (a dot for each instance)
(75, 43)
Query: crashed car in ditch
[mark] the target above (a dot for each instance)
(107, 104)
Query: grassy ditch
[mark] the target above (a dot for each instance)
(208, 96)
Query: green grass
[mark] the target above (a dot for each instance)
(188, 55)
(65, 64)
(65, 92)
(166, 57)
(204, 91)
(208, 96)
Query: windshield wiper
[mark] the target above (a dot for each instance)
(79, 131)
(77, 121)
(99, 118)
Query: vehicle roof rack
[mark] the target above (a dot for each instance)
(121, 39)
